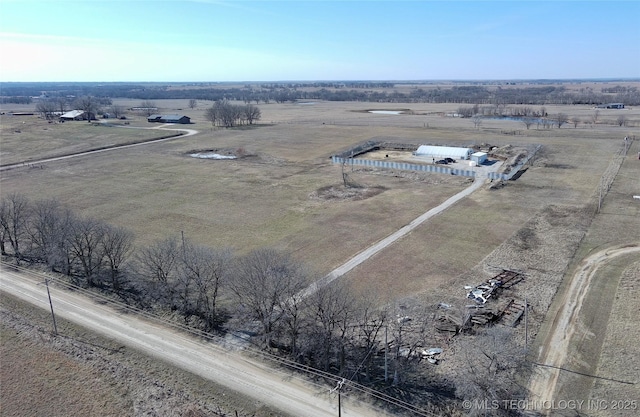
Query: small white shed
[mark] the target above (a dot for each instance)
(439, 152)
(479, 157)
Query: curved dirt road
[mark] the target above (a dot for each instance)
(555, 349)
(279, 389)
(188, 132)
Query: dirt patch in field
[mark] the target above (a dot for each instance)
(340, 192)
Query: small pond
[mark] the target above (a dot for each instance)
(385, 111)
(211, 155)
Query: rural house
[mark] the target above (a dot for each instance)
(76, 115)
(169, 118)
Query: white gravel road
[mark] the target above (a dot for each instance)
(367, 253)
(278, 389)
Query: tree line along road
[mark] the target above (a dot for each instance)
(278, 388)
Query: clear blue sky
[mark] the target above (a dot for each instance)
(209, 40)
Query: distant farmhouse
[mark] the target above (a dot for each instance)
(169, 118)
(611, 106)
(77, 115)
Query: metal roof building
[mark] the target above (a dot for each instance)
(479, 157)
(169, 118)
(73, 115)
(439, 152)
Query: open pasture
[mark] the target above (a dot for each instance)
(27, 138)
(274, 195)
(269, 197)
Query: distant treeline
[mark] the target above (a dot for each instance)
(383, 92)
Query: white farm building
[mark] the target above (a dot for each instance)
(479, 157)
(439, 152)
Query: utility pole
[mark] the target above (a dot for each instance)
(339, 388)
(386, 354)
(600, 197)
(526, 329)
(184, 248)
(55, 328)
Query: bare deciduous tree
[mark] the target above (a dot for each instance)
(293, 321)
(543, 111)
(330, 310)
(528, 121)
(223, 113)
(117, 244)
(263, 282)
(370, 322)
(496, 369)
(561, 118)
(89, 105)
(207, 269)
(15, 212)
(49, 230)
(621, 120)
(193, 103)
(61, 103)
(576, 121)
(212, 115)
(251, 113)
(117, 110)
(148, 107)
(158, 265)
(46, 108)
(85, 242)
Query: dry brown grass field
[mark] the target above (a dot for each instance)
(26, 138)
(269, 197)
(79, 373)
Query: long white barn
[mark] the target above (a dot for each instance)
(439, 152)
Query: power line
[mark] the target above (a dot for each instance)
(333, 379)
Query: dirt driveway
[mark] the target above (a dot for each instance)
(185, 133)
(369, 252)
(555, 350)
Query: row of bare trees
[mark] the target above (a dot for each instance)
(51, 107)
(263, 292)
(225, 114)
(86, 249)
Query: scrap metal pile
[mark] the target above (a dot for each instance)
(480, 313)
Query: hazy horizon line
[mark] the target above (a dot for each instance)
(355, 80)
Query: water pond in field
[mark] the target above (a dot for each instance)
(211, 155)
(385, 111)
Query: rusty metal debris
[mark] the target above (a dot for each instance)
(482, 313)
